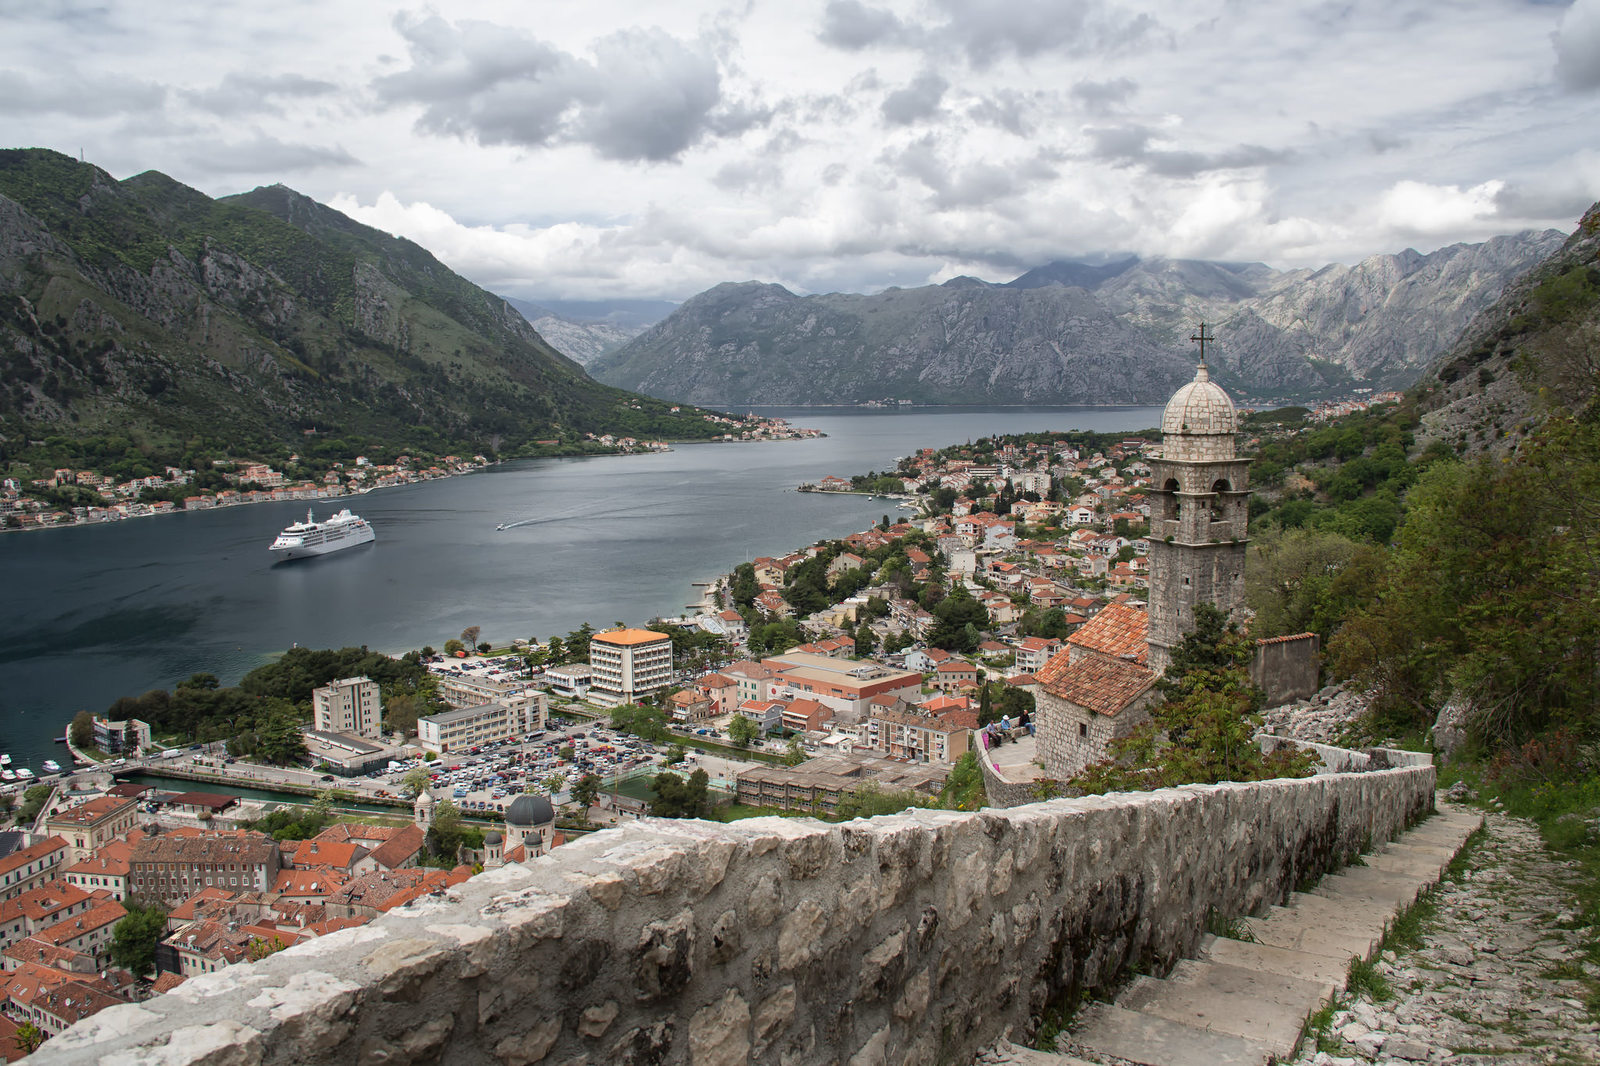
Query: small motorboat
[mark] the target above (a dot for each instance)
(8, 774)
(51, 766)
(24, 774)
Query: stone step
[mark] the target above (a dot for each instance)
(1106, 1029)
(1317, 933)
(1245, 1003)
(1329, 973)
(1006, 1053)
(1259, 1005)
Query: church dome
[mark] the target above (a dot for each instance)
(492, 839)
(528, 810)
(1200, 408)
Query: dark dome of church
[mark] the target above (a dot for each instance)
(490, 839)
(529, 810)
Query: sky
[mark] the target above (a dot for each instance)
(609, 149)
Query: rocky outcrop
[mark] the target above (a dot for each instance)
(1534, 350)
(1070, 333)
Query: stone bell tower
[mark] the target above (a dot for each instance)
(1199, 512)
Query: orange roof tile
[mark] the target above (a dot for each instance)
(1105, 686)
(629, 637)
(1118, 630)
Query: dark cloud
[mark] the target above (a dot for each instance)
(852, 25)
(1545, 203)
(268, 155)
(915, 102)
(1100, 97)
(1577, 45)
(1387, 142)
(1009, 109)
(1131, 146)
(69, 93)
(986, 32)
(244, 93)
(645, 96)
(983, 184)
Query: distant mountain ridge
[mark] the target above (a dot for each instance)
(1066, 332)
(144, 309)
(584, 330)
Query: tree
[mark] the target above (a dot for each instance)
(445, 834)
(81, 731)
(259, 947)
(586, 791)
(452, 646)
(959, 620)
(134, 938)
(679, 798)
(795, 755)
(28, 1038)
(485, 648)
(1204, 731)
(742, 731)
(469, 635)
(416, 780)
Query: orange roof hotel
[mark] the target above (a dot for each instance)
(627, 664)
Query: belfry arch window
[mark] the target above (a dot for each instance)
(1218, 509)
(1169, 502)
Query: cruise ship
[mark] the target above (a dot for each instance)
(343, 530)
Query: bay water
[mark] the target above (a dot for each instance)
(91, 613)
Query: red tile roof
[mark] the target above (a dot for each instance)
(1117, 631)
(1096, 683)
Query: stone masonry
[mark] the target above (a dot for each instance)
(914, 938)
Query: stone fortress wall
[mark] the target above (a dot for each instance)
(916, 938)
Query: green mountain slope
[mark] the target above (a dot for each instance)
(1536, 349)
(146, 309)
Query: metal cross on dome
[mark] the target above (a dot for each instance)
(1202, 337)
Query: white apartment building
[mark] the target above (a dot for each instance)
(627, 664)
(528, 706)
(350, 705)
(466, 728)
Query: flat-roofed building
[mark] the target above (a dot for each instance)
(471, 727)
(628, 664)
(819, 784)
(844, 686)
(118, 737)
(522, 699)
(349, 705)
(919, 737)
(90, 825)
(570, 679)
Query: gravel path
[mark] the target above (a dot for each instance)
(1501, 977)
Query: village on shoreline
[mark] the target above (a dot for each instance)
(251, 481)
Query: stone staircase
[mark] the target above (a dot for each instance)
(1245, 1004)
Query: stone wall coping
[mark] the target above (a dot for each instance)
(619, 933)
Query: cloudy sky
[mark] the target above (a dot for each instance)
(594, 149)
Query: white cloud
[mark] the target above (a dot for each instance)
(1414, 207)
(845, 144)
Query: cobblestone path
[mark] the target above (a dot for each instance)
(1502, 976)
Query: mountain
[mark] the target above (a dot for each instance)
(965, 340)
(1535, 349)
(1116, 332)
(584, 330)
(145, 310)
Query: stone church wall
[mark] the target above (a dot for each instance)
(908, 939)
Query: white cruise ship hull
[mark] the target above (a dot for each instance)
(303, 541)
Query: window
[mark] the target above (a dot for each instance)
(1083, 729)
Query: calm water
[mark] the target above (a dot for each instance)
(97, 612)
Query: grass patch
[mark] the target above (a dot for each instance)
(1235, 928)
(1319, 1028)
(1363, 979)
